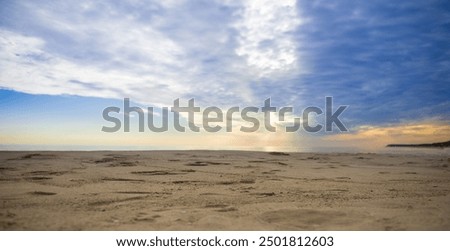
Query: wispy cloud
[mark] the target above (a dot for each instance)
(153, 53)
(265, 37)
(387, 60)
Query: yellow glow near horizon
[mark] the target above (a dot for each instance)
(379, 136)
(363, 137)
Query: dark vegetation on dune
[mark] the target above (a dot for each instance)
(432, 145)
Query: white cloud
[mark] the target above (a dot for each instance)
(265, 37)
(152, 53)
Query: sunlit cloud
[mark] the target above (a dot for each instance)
(380, 136)
(266, 37)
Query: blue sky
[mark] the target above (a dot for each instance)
(62, 62)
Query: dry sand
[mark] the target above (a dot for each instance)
(223, 190)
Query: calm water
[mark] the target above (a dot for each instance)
(384, 150)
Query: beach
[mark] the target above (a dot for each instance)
(223, 190)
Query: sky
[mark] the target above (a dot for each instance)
(63, 62)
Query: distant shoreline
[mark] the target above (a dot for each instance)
(431, 145)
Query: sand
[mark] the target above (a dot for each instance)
(223, 190)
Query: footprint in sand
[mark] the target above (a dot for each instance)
(228, 209)
(267, 194)
(279, 154)
(157, 172)
(226, 183)
(343, 178)
(215, 206)
(302, 219)
(44, 173)
(247, 181)
(206, 163)
(42, 193)
(38, 156)
(37, 178)
(122, 179)
(197, 163)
